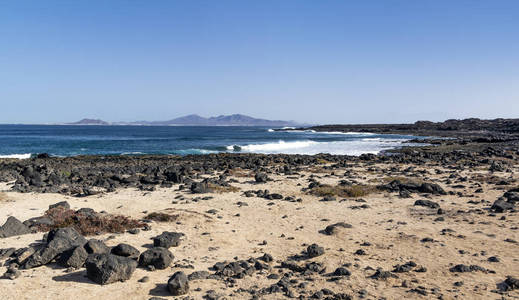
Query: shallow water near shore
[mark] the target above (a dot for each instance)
(22, 141)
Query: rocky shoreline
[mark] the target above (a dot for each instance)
(435, 221)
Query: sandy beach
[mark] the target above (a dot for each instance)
(387, 230)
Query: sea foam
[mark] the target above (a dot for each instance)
(17, 156)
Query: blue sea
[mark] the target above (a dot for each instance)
(22, 141)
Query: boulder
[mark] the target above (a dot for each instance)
(501, 206)
(167, 239)
(109, 268)
(62, 204)
(158, 257)
(125, 250)
(178, 284)
(58, 241)
(74, 258)
(96, 247)
(13, 227)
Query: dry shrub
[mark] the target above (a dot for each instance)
(402, 179)
(222, 188)
(161, 217)
(355, 190)
(239, 172)
(89, 224)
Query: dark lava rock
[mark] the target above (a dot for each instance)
(62, 204)
(314, 250)
(261, 177)
(167, 239)
(382, 275)
(74, 258)
(509, 284)
(58, 241)
(500, 206)
(341, 271)
(4, 253)
(12, 273)
(197, 275)
(405, 267)
(108, 268)
(332, 229)
(200, 188)
(13, 227)
(178, 284)
(464, 268)
(96, 247)
(427, 203)
(125, 250)
(158, 257)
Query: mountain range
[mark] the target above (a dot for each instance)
(196, 120)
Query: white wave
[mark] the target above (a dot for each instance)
(352, 147)
(17, 156)
(271, 130)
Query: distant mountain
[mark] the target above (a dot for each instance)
(196, 120)
(231, 120)
(89, 122)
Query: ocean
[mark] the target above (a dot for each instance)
(22, 141)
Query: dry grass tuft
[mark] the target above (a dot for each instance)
(354, 191)
(239, 172)
(222, 189)
(161, 217)
(89, 224)
(402, 179)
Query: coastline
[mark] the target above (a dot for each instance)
(432, 221)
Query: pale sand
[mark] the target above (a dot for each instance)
(240, 236)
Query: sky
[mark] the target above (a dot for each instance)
(326, 61)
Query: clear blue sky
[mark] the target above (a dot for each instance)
(313, 61)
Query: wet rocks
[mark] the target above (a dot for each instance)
(158, 257)
(109, 268)
(178, 284)
(314, 250)
(13, 227)
(167, 239)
